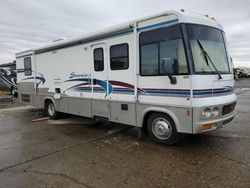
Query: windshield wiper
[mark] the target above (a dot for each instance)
(207, 57)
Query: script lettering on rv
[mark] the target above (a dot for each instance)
(74, 75)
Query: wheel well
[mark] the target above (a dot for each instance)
(147, 115)
(145, 120)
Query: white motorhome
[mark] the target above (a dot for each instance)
(167, 74)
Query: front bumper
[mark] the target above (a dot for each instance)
(215, 123)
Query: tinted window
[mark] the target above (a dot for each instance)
(162, 49)
(149, 59)
(161, 34)
(27, 66)
(98, 59)
(119, 58)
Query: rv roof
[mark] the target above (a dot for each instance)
(183, 17)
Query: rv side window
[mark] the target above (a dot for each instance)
(27, 66)
(162, 51)
(98, 59)
(119, 58)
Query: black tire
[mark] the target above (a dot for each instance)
(161, 129)
(13, 91)
(50, 110)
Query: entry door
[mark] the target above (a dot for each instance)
(100, 85)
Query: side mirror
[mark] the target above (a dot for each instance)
(167, 68)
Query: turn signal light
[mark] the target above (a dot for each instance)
(207, 126)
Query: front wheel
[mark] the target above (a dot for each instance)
(51, 110)
(162, 129)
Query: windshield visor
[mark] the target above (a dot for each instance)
(213, 43)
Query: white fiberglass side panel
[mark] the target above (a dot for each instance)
(189, 17)
(45, 66)
(65, 69)
(159, 90)
(23, 74)
(100, 86)
(122, 80)
(209, 90)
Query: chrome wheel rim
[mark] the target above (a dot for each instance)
(51, 109)
(161, 128)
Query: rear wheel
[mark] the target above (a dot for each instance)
(162, 129)
(51, 110)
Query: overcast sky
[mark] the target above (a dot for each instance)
(26, 24)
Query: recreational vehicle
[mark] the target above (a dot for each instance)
(8, 78)
(166, 74)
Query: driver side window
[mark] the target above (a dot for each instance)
(162, 49)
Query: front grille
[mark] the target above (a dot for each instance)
(228, 108)
(227, 121)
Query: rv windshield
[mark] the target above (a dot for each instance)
(212, 41)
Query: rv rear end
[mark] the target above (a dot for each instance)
(166, 74)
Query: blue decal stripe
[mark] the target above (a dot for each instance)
(169, 92)
(212, 92)
(79, 80)
(158, 25)
(158, 92)
(101, 83)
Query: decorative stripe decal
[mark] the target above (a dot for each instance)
(103, 83)
(166, 92)
(213, 92)
(118, 87)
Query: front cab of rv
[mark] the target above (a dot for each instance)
(212, 81)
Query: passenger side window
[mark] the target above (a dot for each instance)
(119, 57)
(98, 59)
(27, 66)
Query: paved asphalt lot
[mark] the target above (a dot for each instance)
(77, 152)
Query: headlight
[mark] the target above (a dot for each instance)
(215, 111)
(207, 112)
